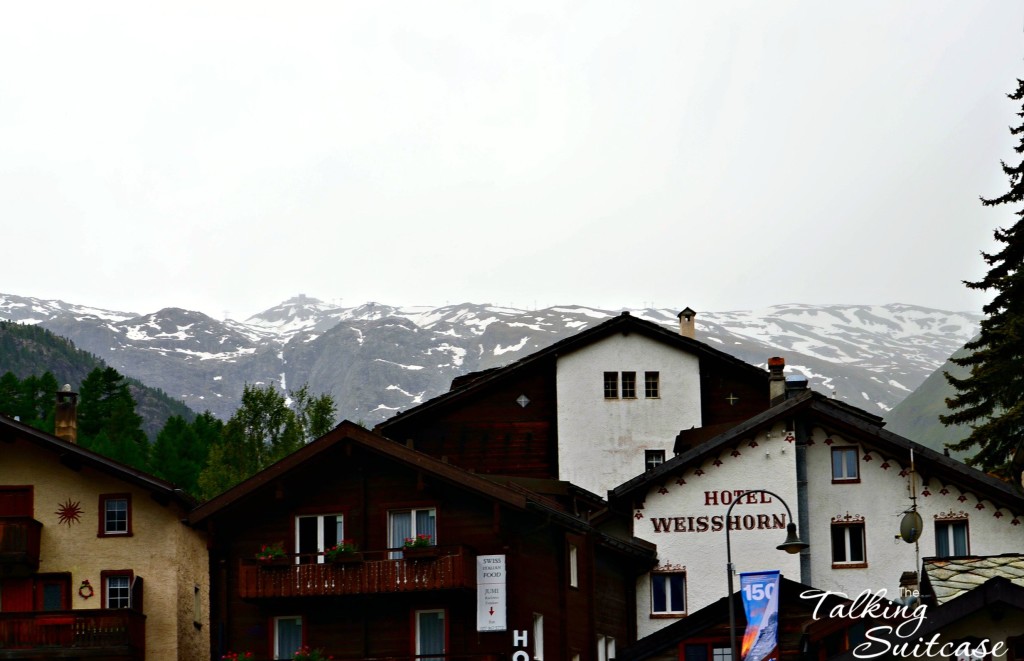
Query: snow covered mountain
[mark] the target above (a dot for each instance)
(377, 359)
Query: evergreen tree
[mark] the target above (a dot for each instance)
(991, 398)
(107, 421)
(181, 450)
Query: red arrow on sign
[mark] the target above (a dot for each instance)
(492, 610)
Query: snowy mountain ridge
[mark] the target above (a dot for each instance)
(376, 359)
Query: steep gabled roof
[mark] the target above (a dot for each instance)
(841, 417)
(513, 496)
(623, 323)
(75, 456)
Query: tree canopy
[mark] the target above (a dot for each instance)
(262, 431)
(991, 397)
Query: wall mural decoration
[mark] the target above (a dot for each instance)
(69, 512)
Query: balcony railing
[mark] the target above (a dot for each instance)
(112, 634)
(453, 567)
(19, 545)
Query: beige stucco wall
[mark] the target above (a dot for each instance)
(167, 555)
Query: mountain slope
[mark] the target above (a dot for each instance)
(32, 350)
(376, 359)
(917, 416)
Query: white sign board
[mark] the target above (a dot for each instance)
(490, 593)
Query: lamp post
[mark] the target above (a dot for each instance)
(793, 544)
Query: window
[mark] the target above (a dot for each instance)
(410, 524)
(287, 636)
(317, 533)
(115, 515)
(538, 637)
(605, 648)
(653, 458)
(848, 545)
(611, 385)
(574, 571)
(53, 592)
(117, 588)
(844, 465)
(668, 593)
(430, 635)
(629, 385)
(652, 388)
(951, 538)
(706, 652)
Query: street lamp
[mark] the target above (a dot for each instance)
(793, 544)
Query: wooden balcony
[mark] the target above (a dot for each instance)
(454, 567)
(107, 634)
(19, 546)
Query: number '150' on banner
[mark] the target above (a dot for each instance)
(761, 605)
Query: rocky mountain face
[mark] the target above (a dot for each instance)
(377, 359)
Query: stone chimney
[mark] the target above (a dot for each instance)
(66, 418)
(776, 381)
(687, 323)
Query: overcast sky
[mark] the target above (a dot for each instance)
(724, 155)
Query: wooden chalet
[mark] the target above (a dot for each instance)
(80, 537)
(593, 409)
(567, 586)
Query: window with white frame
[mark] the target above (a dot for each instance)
(117, 590)
(574, 570)
(844, 464)
(411, 524)
(605, 648)
(848, 545)
(430, 635)
(951, 538)
(287, 636)
(629, 385)
(668, 593)
(115, 515)
(652, 385)
(316, 533)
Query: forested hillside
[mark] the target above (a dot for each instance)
(30, 351)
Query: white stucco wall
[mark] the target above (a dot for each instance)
(602, 441)
(770, 465)
(881, 497)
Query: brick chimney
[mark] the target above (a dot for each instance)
(66, 418)
(776, 381)
(687, 323)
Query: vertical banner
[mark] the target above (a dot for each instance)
(761, 604)
(490, 593)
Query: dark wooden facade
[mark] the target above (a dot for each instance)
(479, 425)
(367, 608)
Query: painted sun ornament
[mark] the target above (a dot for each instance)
(69, 512)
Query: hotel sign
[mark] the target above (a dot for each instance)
(490, 593)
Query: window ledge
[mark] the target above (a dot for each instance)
(849, 480)
(849, 565)
(667, 616)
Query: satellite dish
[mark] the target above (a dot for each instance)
(910, 527)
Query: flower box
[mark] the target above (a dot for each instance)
(345, 558)
(420, 552)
